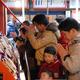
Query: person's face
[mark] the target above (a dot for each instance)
(49, 57)
(68, 35)
(40, 27)
(23, 25)
(22, 35)
(45, 76)
(14, 20)
(64, 37)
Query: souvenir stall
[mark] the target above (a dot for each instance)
(9, 68)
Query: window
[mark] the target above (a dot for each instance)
(38, 2)
(49, 3)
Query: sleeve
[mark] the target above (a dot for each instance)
(16, 30)
(40, 42)
(72, 63)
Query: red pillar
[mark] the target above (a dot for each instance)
(2, 19)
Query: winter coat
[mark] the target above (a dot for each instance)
(72, 63)
(11, 27)
(55, 68)
(47, 38)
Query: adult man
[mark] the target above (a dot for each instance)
(71, 55)
(27, 47)
(43, 38)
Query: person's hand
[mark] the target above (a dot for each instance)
(13, 34)
(31, 28)
(61, 51)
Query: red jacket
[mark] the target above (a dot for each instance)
(56, 68)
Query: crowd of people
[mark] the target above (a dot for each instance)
(52, 49)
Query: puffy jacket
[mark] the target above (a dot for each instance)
(47, 38)
(11, 27)
(72, 63)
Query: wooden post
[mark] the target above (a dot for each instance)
(2, 19)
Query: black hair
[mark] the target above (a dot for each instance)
(48, 72)
(23, 30)
(68, 24)
(26, 23)
(40, 19)
(50, 50)
(19, 39)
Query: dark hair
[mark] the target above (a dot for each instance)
(48, 72)
(50, 50)
(26, 23)
(23, 30)
(19, 39)
(40, 19)
(68, 24)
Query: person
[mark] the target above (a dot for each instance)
(52, 63)
(43, 37)
(12, 30)
(71, 56)
(22, 30)
(30, 51)
(20, 44)
(46, 75)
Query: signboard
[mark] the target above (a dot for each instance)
(49, 3)
(68, 13)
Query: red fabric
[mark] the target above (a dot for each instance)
(6, 74)
(54, 68)
(63, 40)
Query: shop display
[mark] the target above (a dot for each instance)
(8, 59)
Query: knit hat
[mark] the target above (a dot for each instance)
(50, 50)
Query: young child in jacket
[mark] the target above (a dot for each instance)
(46, 75)
(52, 64)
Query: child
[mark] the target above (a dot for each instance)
(52, 63)
(46, 75)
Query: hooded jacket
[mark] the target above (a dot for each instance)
(11, 27)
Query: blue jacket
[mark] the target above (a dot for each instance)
(11, 27)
